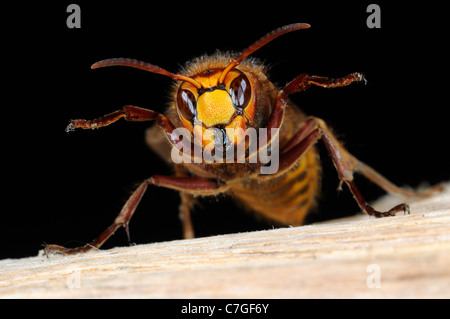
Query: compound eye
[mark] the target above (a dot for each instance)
(240, 91)
(186, 104)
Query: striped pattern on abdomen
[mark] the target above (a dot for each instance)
(285, 199)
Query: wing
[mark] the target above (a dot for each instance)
(157, 141)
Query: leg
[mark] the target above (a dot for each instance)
(301, 83)
(138, 114)
(314, 129)
(345, 163)
(186, 205)
(196, 186)
(129, 113)
(135, 114)
(372, 175)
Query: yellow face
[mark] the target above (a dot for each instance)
(227, 106)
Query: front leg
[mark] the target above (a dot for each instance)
(189, 185)
(128, 112)
(134, 114)
(301, 83)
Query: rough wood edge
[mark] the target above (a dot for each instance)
(410, 255)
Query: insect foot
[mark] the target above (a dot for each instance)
(392, 212)
(69, 127)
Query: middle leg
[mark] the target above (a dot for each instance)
(345, 164)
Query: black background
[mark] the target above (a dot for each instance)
(67, 188)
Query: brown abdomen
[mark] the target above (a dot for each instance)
(285, 199)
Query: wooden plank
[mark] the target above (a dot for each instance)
(359, 257)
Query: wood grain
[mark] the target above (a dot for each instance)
(337, 259)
